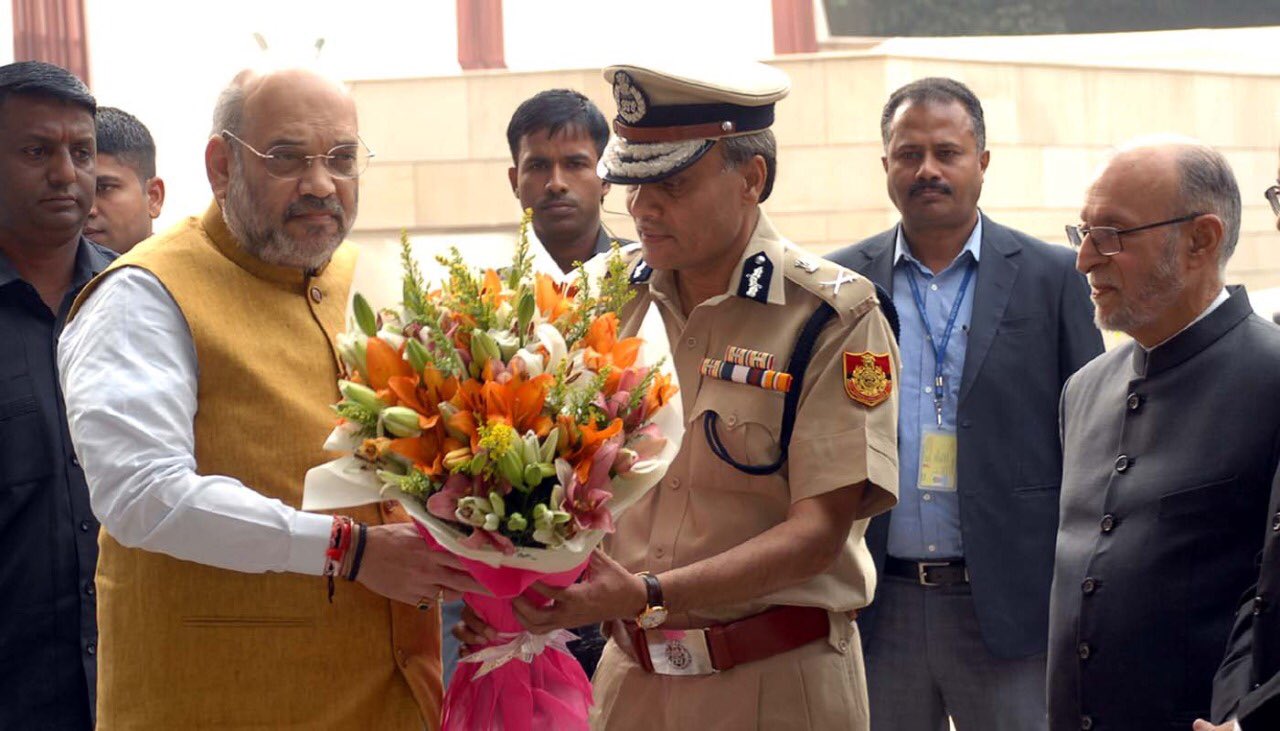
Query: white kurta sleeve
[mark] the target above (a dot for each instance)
(128, 369)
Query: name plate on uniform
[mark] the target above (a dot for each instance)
(938, 461)
(679, 652)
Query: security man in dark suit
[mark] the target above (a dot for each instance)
(992, 323)
(1247, 688)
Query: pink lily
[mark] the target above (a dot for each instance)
(587, 502)
(444, 503)
(647, 441)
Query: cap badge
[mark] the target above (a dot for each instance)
(632, 104)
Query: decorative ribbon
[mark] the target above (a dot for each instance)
(523, 646)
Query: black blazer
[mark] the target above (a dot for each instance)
(1032, 327)
(1248, 683)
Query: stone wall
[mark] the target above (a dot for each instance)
(440, 170)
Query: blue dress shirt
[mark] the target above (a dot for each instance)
(926, 523)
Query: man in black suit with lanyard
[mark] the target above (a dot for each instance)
(992, 323)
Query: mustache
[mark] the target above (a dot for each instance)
(553, 199)
(922, 185)
(312, 204)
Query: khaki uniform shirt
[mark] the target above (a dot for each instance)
(704, 506)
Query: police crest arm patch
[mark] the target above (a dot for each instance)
(868, 377)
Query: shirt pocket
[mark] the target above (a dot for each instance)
(748, 423)
(1217, 496)
(24, 450)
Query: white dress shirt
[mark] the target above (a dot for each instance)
(129, 377)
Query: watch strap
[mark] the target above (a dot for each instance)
(653, 589)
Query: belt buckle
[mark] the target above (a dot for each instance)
(679, 652)
(922, 571)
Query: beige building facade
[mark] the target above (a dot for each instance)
(442, 156)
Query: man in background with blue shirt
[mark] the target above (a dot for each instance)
(992, 323)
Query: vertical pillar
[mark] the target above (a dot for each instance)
(793, 27)
(480, 34)
(52, 31)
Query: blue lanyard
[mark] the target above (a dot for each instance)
(939, 347)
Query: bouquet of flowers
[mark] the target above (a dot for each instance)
(503, 411)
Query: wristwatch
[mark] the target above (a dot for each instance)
(654, 614)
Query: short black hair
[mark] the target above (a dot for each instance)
(936, 90)
(553, 110)
(122, 136)
(40, 79)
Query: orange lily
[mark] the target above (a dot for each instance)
(592, 438)
(605, 349)
(427, 450)
(517, 403)
(491, 287)
(661, 391)
(553, 299)
(422, 393)
(383, 363)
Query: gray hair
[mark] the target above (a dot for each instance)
(1207, 185)
(228, 113)
(740, 149)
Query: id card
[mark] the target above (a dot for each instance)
(938, 460)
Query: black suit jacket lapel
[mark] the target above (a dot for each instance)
(879, 265)
(997, 270)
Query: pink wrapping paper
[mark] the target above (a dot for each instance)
(549, 693)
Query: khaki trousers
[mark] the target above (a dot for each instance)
(819, 687)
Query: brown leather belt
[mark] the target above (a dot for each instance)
(721, 647)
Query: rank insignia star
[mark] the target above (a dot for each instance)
(868, 377)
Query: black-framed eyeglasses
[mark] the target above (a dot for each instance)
(1106, 239)
(1273, 197)
(289, 162)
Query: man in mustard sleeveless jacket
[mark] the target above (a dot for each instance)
(197, 374)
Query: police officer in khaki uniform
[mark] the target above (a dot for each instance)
(732, 584)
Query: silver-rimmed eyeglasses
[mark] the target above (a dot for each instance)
(1106, 239)
(289, 162)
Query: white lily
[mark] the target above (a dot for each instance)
(508, 343)
(392, 336)
(553, 341)
(532, 362)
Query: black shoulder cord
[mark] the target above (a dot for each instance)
(890, 311)
(800, 357)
